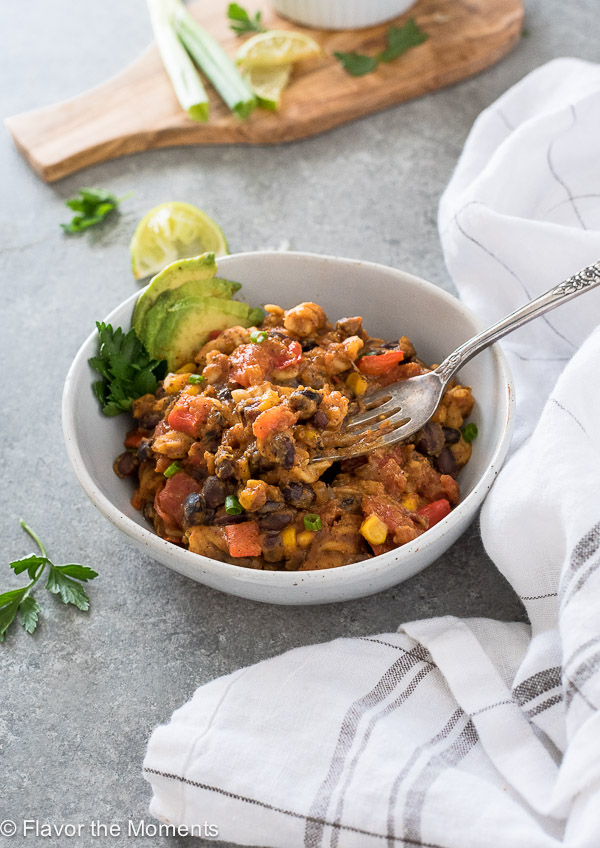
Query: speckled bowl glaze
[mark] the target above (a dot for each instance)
(341, 14)
(392, 303)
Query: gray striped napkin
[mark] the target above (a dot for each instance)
(453, 733)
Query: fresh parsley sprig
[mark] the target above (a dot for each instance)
(62, 580)
(92, 206)
(127, 370)
(242, 23)
(399, 40)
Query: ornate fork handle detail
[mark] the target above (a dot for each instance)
(587, 278)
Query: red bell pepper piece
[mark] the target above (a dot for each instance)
(380, 364)
(242, 539)
(435, 511)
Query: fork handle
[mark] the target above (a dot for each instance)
(588, 278)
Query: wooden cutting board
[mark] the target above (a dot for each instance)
(137, 110)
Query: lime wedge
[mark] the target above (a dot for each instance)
(170, 232)
(275, 48)
(268, 83)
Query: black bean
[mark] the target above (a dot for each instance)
(347, 502)
(224, 468)
(305, 402)
(445, 462)
(224, 394)
(298, 494)
(307, 345)
(251, 412)
(272, 547)
(149, 420)
(276, 520)
(348, 465)
(222, 517)
(277, 334)
(214, 492)
(320, 420)
(269, 506)
(257, 463)
(144, 451)
(350, 326)
(451, 435)
(125, 464)
(194, 509)
(390, 345)
(431, 439)
(282, 448)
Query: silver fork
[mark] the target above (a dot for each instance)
(408, 405)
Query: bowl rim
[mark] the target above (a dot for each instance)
(150, 540)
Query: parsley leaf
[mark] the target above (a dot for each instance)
(28, 613)
(242, 22)
(93, 205)
(356, 63)
(70, 591)
(62, 581)
(126, 369)
(399, 40)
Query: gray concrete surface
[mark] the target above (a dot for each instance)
(79, 699)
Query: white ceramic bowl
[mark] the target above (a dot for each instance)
(341, 14)
(392, 303)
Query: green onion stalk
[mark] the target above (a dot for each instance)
(214, 61)
(184, 77)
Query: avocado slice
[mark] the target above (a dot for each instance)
(197, 275)
(184, 326)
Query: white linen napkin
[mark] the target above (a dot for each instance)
(453, 733)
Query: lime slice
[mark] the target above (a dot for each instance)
(170, 232)
(268, 83)
(275, 48)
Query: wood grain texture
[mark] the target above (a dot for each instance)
(137, 110)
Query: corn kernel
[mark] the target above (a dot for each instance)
(192, 390)
(305, 538)
(357, 384)
(175, 383)
(374, 530)
(269, 400)
(410, 502)
(288, 537)
(188, 368)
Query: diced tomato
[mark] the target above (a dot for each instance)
(170, 500)
(286, 358)
(249, 364)
(381, 364)
(404, 371)
(134, 438)
(391, 513)
(273, 419)
(214, 334)
(435, 511)
(242, 539)
(189, 413)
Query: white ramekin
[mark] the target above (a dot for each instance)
(341, 14)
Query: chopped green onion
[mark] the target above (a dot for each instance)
(214, 61)
(184, 77)
(173, 468)
(469, 432)
(232, 505)
(258, 336)
(196, 379)
(312, 521)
